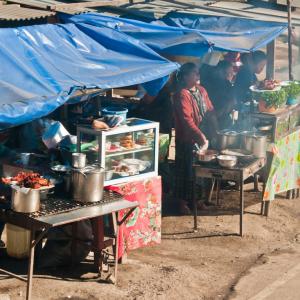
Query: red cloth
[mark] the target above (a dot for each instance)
(187, 116)
(143, 226)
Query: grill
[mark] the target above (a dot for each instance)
(56, 205)
(241, 164)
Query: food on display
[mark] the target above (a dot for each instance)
(97, 124)
(27, 180)
(142, 140)
(268, 84)
(127, 142)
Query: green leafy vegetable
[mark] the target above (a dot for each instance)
(293, 89)
(272, 98)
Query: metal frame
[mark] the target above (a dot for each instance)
(217, 174)
(43, 224)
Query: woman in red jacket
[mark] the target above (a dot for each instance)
(194, 120)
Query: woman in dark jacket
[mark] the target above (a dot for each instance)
(221, 92)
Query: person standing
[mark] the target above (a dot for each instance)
(193, 113)
(252, 65)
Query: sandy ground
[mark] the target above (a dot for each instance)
(187, 265)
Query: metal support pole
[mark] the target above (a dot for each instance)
(241, 203)
(30, 265)
(290, 50)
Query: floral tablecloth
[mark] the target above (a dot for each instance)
(285, 168)
(143, 227)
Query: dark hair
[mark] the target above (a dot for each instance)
(184, 70)
(258, 56)
(223, 65)
(245, 58)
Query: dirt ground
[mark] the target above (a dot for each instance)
(187, 265)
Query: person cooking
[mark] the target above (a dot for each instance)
(193, 113)
(221, 92)
(253, 65)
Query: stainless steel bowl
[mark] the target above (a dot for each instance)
(227, 161)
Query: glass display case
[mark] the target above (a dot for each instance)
(128, 152)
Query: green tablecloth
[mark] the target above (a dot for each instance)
(284, 173)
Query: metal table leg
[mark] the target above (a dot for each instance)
(267, 208)
(195, 203)
(218, 191)
(241, 203)
(116, 249)
(30, 265)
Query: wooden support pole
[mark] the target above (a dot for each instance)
(289, 7)
(270, 72)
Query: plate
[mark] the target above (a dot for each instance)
(61, 168)
(253, 88)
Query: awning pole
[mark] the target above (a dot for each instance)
(289, 7)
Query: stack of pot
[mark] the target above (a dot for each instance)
(87, 181)
(256, 143)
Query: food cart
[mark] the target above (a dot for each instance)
(283, 165)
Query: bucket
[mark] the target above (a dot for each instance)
(114, 116)
(17, 241)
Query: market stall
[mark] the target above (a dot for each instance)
(62, 180)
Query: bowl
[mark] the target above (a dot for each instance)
(227, 161)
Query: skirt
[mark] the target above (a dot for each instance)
(184, 180)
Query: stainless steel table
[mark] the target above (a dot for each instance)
(57, 212)
(238, 174)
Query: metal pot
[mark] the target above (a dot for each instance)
(87, 184)
(206, 155)
(256, 143)
(228, 139)
(25, 202)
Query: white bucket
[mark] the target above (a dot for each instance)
(17, 241)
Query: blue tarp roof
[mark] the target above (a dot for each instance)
(190, 35)
(42, 65)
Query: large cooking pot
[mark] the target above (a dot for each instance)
(256, 143)
(25, 201)
(228, 139)
(87, 184)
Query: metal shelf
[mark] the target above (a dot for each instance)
(117, 153)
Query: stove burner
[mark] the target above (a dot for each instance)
(56, 205)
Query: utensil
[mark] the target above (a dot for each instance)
(88, 183)
(227, 161)
(206, 155)
(256, 143)
(228, 139)
(78, 160)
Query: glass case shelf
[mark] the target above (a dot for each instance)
(127, 153)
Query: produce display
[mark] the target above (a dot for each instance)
(269, 94)
(27, 180)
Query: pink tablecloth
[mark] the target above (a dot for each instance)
(143, 227)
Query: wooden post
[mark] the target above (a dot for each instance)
(289, 7)
(270, 72)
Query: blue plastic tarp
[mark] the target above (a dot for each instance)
(164, 39)
(190, 35)
(42, 66)
(228, 33)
